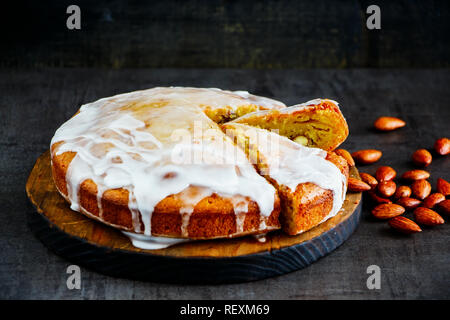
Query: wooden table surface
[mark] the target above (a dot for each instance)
(33, 104)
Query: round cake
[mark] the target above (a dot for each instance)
(161, 163)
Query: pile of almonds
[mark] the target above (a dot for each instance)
(414, 192)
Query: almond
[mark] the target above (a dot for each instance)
(416, 175)
(388, 123)
(387, 210)
(443, 187)
(445, 206)
(404, 225)
(377, 198)
(386, 188)
(442, 146)
(369, 179)
(427, 217)
(356, 185)
(385, 173)
(402, 192)
(422, 157)
(409, 203)
(346, 155)
(421, 189)
(367, 156)
(301, 140)
(433, 199)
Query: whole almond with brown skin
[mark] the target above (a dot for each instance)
(422, 157)
(409, 203)
(387, 210)
(443, 187)
(346, 155)
(445, 206)
(416, 175)
(442, 146)
(386, 188)
(404, 225)
(433, 199)
(421, 189)
(385, 173)
(402, 192)
(367, 156)
(427, 217)
(356, 185)
(376, 198)
(369, 179)
(388, 123)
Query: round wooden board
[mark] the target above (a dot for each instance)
(106, 250)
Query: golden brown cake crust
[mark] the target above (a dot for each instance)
(213, 217)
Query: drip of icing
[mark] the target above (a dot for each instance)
(260, 237)
(190, 197)
(262, 223)
(135, 215)
(240, 210)
(185, 217)
(99, 201)
(152, 243)
(156, 143)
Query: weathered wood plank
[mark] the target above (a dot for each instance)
(230, 34)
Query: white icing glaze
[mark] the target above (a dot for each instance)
(152, 243)
(291, 164)
(190, 197)
(143, 241)
(240, 209)
(260, 237)
(158, 142)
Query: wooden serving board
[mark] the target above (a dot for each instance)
(106, 250)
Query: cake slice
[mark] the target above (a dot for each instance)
(317, 123)
(311, 182)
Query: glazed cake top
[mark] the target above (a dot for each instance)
(159, 142)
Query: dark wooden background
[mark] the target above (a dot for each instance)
(226, 34)
(324, 49)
